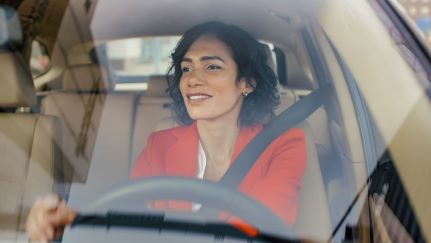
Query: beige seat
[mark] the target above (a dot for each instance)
(299, 84)
(313, 218)
(29, 157)
(97, 130)
(88, 110)
(153, 107)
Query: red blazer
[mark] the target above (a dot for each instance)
(274, 180)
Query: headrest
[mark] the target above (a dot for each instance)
(157, 85)
(87, 77)
(16, 83)
(296, 76)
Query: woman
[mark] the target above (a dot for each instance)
(224, 93)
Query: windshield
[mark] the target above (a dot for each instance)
(153, 124)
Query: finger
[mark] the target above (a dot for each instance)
(34, 228)
(64, 215)
(40, 224)
(38, 227)
(50, 201)
(36, 234)
(56, 219)
(47, 208)
(44, 230)
(49, 233)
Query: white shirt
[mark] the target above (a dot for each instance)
(202, 163)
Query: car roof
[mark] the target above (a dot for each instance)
(109, 19)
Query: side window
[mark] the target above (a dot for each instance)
(40, 62)
(418, 11)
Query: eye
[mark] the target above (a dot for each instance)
(213, 67)
(185, 69)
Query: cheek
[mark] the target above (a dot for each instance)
(181, 86)
(231, 94)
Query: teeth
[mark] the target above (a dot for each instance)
(196, 97)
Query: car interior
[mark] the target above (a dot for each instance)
(71, 131)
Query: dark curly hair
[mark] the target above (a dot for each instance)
(251, 59)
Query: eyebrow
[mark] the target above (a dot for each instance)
(204, 58)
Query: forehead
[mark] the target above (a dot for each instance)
(207, 45)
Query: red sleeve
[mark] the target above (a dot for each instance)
(142, 166)
(278, 188)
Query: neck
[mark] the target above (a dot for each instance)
(218, 139)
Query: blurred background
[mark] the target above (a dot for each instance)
(419, 11)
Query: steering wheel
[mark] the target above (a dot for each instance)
(187, 189)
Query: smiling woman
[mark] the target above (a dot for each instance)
(224, 93)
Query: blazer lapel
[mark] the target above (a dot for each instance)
(245, 136)
(181, 157)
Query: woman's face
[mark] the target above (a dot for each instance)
(209, 83)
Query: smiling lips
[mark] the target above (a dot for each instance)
(195, 98)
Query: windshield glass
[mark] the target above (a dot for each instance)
(153, 124)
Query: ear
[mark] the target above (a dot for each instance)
(250, 85)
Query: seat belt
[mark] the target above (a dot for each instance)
(289, 118)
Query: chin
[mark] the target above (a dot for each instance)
(200, 117)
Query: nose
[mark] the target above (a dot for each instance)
(194, 79)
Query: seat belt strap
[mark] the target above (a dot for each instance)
(289, 118)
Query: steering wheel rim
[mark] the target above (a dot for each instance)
(193, 190)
